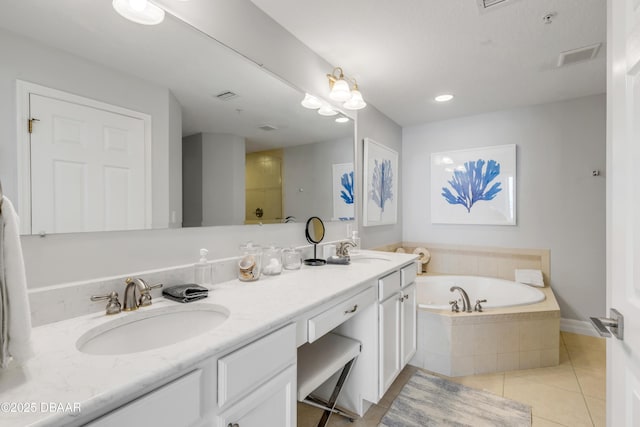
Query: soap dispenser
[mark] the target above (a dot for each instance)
(203, 269)
(356, 241)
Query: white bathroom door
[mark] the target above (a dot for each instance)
(87, 168)
(623, 209)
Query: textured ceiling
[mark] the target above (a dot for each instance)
(404, 53)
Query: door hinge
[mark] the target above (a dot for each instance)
(30, 126)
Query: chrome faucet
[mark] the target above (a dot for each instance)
(466, 305)
(343, 248)
(137, 294)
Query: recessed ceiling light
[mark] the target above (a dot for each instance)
(444, 98)
(139, 11)
(342, 119)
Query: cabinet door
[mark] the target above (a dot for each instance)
(408, 324)
(273, 404)
(389, 329)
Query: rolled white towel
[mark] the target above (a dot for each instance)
(14, 289)
(530, 277)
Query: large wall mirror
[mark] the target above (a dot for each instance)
(185, 132)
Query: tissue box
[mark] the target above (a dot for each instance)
(530, 277)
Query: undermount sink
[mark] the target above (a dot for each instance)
(151, 328)
(368, 257)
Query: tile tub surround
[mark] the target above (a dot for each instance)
(479, 261)
(497, 340)
(60, 373)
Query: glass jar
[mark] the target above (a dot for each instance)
(292, 259)
(272, 261)
(250, 262)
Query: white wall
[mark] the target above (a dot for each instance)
(310, 167)
(223, 176)
(560, 205)
(175, 162)
(26, 60)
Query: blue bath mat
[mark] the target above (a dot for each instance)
(431, 401)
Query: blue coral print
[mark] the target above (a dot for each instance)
(347, 183)
(382, 183)
(471, 184)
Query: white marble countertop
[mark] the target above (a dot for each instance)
(61, 374)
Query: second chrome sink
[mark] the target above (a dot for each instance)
(151, 329)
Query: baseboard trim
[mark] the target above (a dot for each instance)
(578, 327)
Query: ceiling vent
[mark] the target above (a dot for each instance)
(226, 95)
(487, 5)
(578, 55)
(267, 127)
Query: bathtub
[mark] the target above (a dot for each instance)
(434, 292)
(519, 328)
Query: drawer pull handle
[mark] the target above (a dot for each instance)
(353, 310)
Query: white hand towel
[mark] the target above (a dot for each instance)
(13, 287)
(530, 277)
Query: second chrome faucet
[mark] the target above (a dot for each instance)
(466, 304)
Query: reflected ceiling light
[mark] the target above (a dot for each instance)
(342, 119)
(444, 97)
(139, 11)
(311, 102)
(326, 110)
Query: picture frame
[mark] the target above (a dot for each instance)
(343, 193)
(380, 184)
(474, 186)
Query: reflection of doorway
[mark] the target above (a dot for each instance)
(84, 164)
(263, 187)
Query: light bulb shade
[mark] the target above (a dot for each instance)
(340, 91)
(342, 119)
(356, 102)
(139, 11)
(326, 110)
(311, 102)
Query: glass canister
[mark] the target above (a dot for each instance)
(272, 261)
(250, 262)
(291, 258)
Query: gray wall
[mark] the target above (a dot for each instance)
(192, 181)
(59, 70)
(223, 175)
(310, 167)
(375, 125)
(560, 205)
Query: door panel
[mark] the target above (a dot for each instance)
(389, 318)
(408, 327)
(87, 168)
(623, 209)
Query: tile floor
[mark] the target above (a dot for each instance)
(571, 394)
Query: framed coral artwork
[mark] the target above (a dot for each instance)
(343, 195)
(474, 186)
(380, 189)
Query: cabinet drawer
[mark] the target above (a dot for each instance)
(388, 285)
(339, 313)
(247, 368)
(408, 275)
(176, 404)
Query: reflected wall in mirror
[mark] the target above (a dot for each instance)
(210, 125)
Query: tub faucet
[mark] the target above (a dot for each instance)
(137, 294)
(466, 305)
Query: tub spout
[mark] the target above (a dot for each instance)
(466, 305)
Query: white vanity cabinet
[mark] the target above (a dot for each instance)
(396, 324)
(257, 383)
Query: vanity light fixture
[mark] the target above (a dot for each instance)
(311, 102)
(342, 92)
(444, 97)
(140, 11)
(326, 110)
